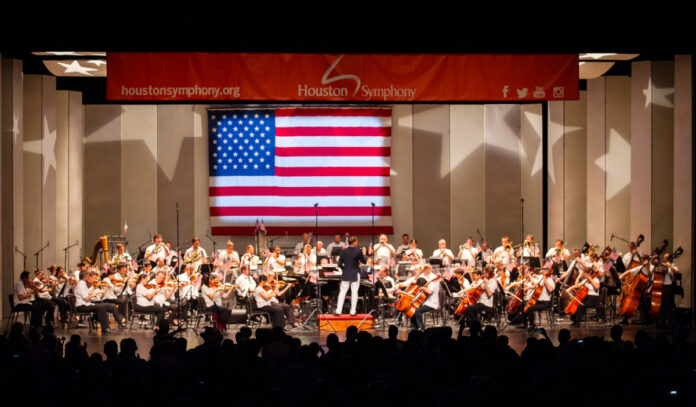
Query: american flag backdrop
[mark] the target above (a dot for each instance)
(274, 165)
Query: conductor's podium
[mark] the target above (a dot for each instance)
(339, 323)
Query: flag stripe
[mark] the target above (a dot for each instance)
(298, 230)
(284, 112)
(301, 220)
(333, 151)
(331, 172)
(324, 121)
(300, 191)
(270, 181)
(330, 141)
(333, 131)
(298, 211)
(299, 201)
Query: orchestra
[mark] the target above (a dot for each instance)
(512, 281)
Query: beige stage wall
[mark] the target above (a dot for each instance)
(73, 172)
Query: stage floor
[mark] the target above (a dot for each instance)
(517, 337)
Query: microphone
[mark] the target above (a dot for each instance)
(316, 205)
(612, 238)
(373, 204)
(522, 200)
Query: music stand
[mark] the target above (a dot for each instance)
(533, 262)
(435, 261)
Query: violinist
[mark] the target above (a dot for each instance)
(671, 274)
(266, 296)
(145, 298)
(85, 292)
(443, 252)
(62, 285)
(164, 295)
(485, 301)
(187, 288)
(245, 285)
(213, 292)
(431, 287)
(503, 277)
(589, 278)
(543, 301)
(24, 299)
(113, 288)
(43, 297)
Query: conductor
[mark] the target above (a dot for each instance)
(349, 261)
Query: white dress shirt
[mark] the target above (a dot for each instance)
(444, 256)
(245, 285)
(260, 301)
(140, 296)
(217, 297)
(382, 253)
(505, 256)
(156, 252)
(330, 246)
(82, 292)
(195, 257)
(486, 299)
(20, 289)
(227, 261)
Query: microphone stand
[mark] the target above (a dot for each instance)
(65, 252)
(36, 255)
(373, 235)
(521, 219)
(316, 224)
(24, 264)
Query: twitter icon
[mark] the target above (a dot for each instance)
(521, 93)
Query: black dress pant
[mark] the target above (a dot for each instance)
(102, 310)
(278, 312)
(156, 310)
(591, 301)
(46, 308)
(36, 311)
(667, 305)
(120, 304)
(539, 306)
(63, 309)
(225, 315)
(471, 312)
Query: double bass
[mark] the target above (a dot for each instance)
(657, 281)
(634, 262)
(631, 292)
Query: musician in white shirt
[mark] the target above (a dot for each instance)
(244, 284)
(156, 251)
(187, 288)
(467, 252)
(443, 252)
(275, 262)
(83, 302)
(485, 253)
(195, 255)
(164, 295)
(414, 253)
(590, 281)
(485, 301)
(266, 298)
(121, 256)
(227, 259)
(251, 260)
(403, 247)
(383, 250)
(671, 274)
(172, 258)
(529, 248)
(558, 255)
(319, 250)
(504, 252)
(431, 287)
(543, 302)
(113, 289)
(336, 243)
(24, 299)
(212, 293)
(633, 255)
(300, 245)
(145, 298)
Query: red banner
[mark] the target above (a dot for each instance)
(140, 76)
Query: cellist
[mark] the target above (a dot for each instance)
(543, 302)
(590, 280)
(485, 301)
(431, 289)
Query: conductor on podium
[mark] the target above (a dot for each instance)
(349, 261)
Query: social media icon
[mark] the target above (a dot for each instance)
(539, 92)
(521, 93)
(558, 91)
(506, 89)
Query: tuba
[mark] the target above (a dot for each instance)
(103, 244)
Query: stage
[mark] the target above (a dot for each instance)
(517, 337)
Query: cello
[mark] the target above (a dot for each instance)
(469, 298)
(576, 300)
(657, 281)
(517, 298)
(406, 296)
(537, 290)
(417, 296)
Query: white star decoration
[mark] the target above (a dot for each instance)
(75, 67)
